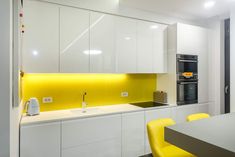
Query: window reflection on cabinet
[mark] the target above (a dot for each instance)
(126, 45)
(74, 40)
(102, 45)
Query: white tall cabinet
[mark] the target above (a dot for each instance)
(41, 38)
(191, 40)
(74, 40)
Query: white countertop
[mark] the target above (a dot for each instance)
(53, 116)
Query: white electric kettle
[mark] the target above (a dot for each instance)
(33, 107)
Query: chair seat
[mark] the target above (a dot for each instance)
(172, 151)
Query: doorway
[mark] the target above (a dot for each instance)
(227, 65)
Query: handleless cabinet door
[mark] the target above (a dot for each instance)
(133, 134)
(74, 40)
(42, 140)
(41, 38)
(159, 48)
(144, 47)
(95, 136)
(102, 43)
(126, 45)
(151, 47)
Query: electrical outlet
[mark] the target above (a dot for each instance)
(47, 100)
(124, 94)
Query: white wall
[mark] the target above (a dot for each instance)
(216, 64)
(5, 77)
(232, 59)
(9, 116)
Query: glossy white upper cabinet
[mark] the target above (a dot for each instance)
(151, 47)
(191, 39)
(41, 38)
(102, 43)
(126, 45)
(74, 40)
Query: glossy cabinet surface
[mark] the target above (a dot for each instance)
(74, 40)
(41, 140)
(40, 52)
(133, 128)
(151, 47)
(78, 136)
(71, 40)
(102, 43)
(193, 40)
(126, 37)
(116, 135)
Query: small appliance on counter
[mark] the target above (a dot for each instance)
(32, 107)
(160, 97)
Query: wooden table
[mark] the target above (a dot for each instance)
(212, 137)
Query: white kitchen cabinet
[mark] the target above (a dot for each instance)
(193, 40)
(107, 148)
(78, 136)
(102, 43)
(126, 40)
(74, 40)
(42, 140)
(151, 47)
(133, 128)
(41, 38)
(181, 112)
(153, 115)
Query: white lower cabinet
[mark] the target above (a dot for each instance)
(96, 136)
(118, 135)
(107, 148)
(133, 134)
(42, 140)
(181, 112)
(153, 115)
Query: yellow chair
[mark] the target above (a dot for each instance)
(159, 147)
(197, 116)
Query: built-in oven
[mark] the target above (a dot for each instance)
(187, 67)
(187, 92)
(187, 79)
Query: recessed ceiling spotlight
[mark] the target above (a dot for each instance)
(92, 52)
(209, 4)
(154, 26)
(127, 38)
(35, 53)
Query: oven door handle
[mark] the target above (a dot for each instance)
(188, 83)
(190, 61)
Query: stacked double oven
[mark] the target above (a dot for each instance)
(187, 79)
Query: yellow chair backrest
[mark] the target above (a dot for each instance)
(197, 116)
(155, 130)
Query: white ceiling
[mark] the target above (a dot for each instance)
(186, 9)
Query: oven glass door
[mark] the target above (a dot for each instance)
(187, 92)
(187, 66)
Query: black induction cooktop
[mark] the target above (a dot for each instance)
(148, 104)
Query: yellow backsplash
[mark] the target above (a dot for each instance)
(102, 89)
